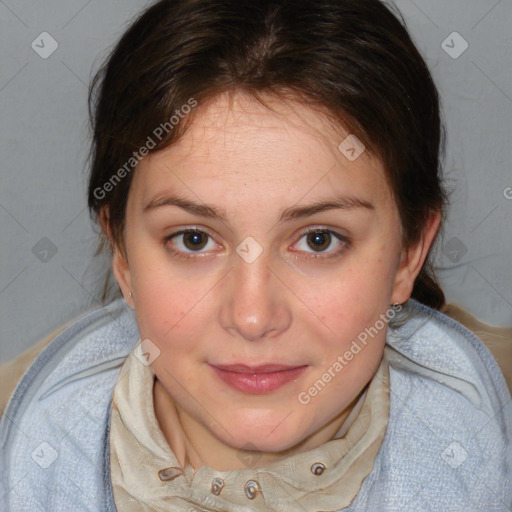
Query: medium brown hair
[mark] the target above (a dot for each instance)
(352, 58)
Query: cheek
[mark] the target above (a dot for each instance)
(353, 299)
(161, 297)
(350, 352)
(162, 304)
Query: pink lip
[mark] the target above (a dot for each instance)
(257, 379)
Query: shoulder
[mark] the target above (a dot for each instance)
(82, 348)
(440, 347)
(429, 347)
(58, 414)
(497, 339)
(450, 418)
(12, 371)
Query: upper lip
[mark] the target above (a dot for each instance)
(262, 368)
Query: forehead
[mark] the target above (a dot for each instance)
(285, 152)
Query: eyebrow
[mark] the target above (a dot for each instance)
(294, 212)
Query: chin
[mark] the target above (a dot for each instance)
(276, 434)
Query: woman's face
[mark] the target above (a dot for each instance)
(249, 287)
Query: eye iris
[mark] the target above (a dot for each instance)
(198, 240)
(321, 240)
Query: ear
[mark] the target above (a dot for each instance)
(412, 259)
(120, 266)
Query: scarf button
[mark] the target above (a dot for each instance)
(251, 489)
(171, 473)
(317, 468)
(217, 485)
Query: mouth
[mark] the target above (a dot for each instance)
(259, 379)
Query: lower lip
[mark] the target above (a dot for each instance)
(259, 383)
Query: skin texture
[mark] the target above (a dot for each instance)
(298, 303)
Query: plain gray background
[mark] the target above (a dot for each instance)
(48, 273)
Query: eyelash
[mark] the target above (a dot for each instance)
(195, 255)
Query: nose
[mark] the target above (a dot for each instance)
(255, 304)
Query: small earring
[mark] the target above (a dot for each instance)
(130, 295)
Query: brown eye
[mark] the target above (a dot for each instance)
(195, 240)
(319, 240)
(322, 243)
(189, 243)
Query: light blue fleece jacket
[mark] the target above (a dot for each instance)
(447, 446)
